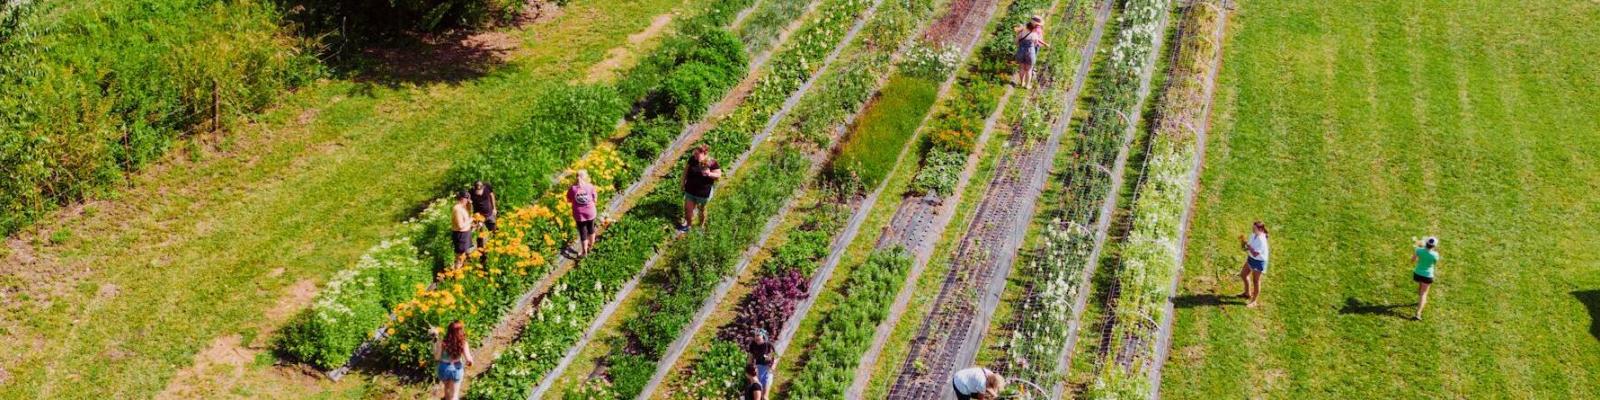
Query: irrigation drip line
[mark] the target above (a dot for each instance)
(755, 143)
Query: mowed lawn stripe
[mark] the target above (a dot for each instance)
(1352, 126)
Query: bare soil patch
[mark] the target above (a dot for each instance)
(618, 57)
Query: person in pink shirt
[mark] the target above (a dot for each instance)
(583, 197)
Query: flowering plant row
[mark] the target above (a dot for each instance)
(1151, 254)
(956, 125)
(694, 267)
(533, 230)
(626, 245)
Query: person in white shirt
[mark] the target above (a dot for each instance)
(977, 383)
(1255, 262)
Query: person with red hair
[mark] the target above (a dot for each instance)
(454, 357)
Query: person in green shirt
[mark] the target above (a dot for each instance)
(1426, 256)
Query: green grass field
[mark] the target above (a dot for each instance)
(1351, 126)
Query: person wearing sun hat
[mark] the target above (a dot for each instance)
(1425, 257)
(1030, 37)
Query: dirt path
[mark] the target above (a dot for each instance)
(623, 56)
(1164, 334)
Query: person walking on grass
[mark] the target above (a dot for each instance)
(977, 383)
(1425, 256)
(583, 196)
(1255, 262)
(485, 205)
(453, 358)
(1030, 37)
(700, 175)
(753, 389)
(761, 358)
(461, 226)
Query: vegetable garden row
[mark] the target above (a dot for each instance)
(626, 321)
(948, 336)
(670, 87)
(790, 271)
(696, 270)
(1152, 254)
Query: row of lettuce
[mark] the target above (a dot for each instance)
(393, 278)
(692, 268)
(872, 146)
(626, 246)
(1150, 255)
(828, 365)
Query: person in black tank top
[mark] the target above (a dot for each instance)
(700, 174)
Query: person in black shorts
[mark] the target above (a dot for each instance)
(701, 173)
(484, 204)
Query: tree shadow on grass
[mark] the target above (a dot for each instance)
(1206, 300)
(1356, 306)
(1591, 300)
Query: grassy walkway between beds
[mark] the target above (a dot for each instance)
(1351, 126)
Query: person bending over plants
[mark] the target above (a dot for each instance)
(753, 389)
(701, 173)
(977, 383)
(461, 227)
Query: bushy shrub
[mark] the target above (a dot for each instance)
(846, 331)
(562, 125)
(90, 93)
(940, 174)
(688, 74)
(352, 304)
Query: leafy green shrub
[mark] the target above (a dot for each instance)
(717, 374)
(563, 125)
(940, 174)
(354, 302)
(92, 92)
